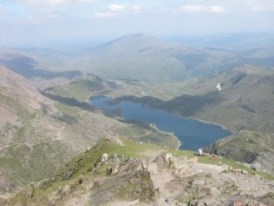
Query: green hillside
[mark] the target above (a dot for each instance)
(38, 135)
(243, 104)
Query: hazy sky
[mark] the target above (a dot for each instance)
(40, 21)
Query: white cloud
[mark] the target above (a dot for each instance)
(261, 8)
(197, 8)
(104, 14)
(32, 20)
(192, 8)
(117, 7)
(54, 2)
(216, 9)
(50, 3)
(136, 8)
(1, 10)
(247, 5)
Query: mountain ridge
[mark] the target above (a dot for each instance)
(144, 58)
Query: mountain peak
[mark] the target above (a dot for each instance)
(137, 41)
(132, 37)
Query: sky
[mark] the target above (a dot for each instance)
(42, 21)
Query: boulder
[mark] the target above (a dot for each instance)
(141, 165)
(30, 191)
(164, 161)
(68, 174)
(104, 157)
(168, 156)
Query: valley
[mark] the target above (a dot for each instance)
(47, 119)
(191, 133)
(38, 135)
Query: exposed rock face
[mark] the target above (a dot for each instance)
(268, 199)
(153, 168)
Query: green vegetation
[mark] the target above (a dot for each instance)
(87, 168)
(186, 105)
(149, 134)
(82, 166)
(66, 109)
(88, 160)
(207, 159)
(14, 105)
(38, 164)
(41, 144)
(79, 89)
(140, 186)
(28, 152)
(252, 145)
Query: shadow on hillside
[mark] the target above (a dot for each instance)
(185, 105)
(69, 101)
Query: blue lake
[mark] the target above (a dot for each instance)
(192, 133)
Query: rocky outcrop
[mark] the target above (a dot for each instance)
(153, 178)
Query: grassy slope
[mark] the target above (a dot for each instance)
(87, 86)
(28, 154)
(79, 89)
(39, 141)
(245, 103)
(42, 143)
(96, 86)
(82, 165)
(246, 99)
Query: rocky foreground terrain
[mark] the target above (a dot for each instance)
(123, 172)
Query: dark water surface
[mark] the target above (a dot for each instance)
(192, 133)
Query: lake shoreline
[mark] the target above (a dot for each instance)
(171, 134)
(212, 123)
(190, 133)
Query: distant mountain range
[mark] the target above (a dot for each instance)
(149, 59)
(137, 57)
(232, 41)
(29, 67)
